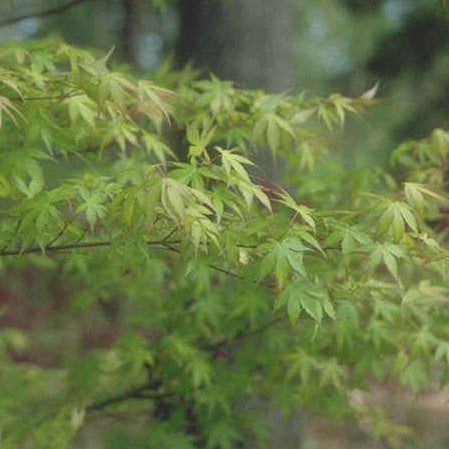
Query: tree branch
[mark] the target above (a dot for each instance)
(48, 97)
(218, 269)
(41, 14)
(242, 335)
(72, 246)
(141, 392)
(164, 244)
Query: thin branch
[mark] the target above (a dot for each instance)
(216, 268)
(61, 232)
(146, 392)
(169, 235)
(223, 270)
(141, 392)
(48, 97)
(43, 13)
(242, 335)
(164, 244)
(72, 246)
(230, 273)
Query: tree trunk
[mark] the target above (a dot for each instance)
(249, 41)
(132, 32)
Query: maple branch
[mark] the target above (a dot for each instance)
(49, 97)
(245, 334)
(71, 246)
(43, 13)
(141, 392)
(163, 244)
(217, 268)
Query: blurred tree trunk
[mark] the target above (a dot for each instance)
(249, 41)
(132, 32)
(199, 39)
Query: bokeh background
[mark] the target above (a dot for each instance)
(287, 46)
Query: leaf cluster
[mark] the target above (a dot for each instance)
(235, 287)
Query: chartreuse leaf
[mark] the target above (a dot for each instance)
(414, 197)
(426, 294)
(271, 126)
(284, 257)
(313, 307)
(442, 352)
(173, 198)
(331, 373)
(217, 95)
(310, 297)
(81, 106)
(199, 140)
(92, 206)
(385, 220)
(303, 233)
(154, 100)
(232, 161)
(134, 353)
(114, 87)
(262, 197)
(222, 434)
(303, 211)
(36, 176)
(289, 298)
(415, 193)
(158, 434)
(8, 108)
(388, 253)
(99, 66)
(154, 145)
(233, 165)
(307, 156)
(349, 237)
(394, 218)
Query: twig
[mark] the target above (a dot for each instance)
(219, 269)
(169, 235)
(230, 273)
(141, 392)
(72, 246)
(61, 232)
(242, 335)
(106, 243)
(48, 97)
(43, 13)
